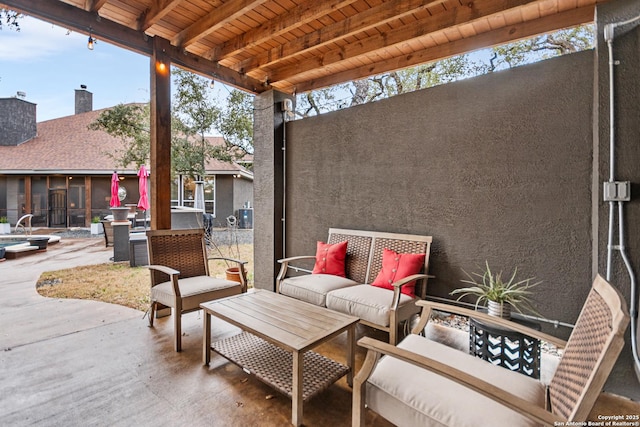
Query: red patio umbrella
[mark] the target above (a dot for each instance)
(115, 200)
(143, 203)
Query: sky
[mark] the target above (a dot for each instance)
(48, 63)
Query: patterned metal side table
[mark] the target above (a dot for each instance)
(506, 348)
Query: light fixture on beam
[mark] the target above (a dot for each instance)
(161, 67)
(91, 42)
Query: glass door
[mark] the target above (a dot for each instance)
(57, 207)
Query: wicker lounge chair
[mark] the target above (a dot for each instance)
(180, 275)
(421, 382)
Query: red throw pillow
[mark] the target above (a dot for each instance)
(397, 266)
(330, 259)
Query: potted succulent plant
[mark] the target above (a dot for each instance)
(499, 296)
(96, 227)
(5, 227)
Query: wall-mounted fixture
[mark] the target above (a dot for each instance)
(287, 109)
(287, 105)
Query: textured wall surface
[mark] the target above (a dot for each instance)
(626, 48)
(268, 187)
(17, 121)
(84, 101)
(495, 168)
(224, 199)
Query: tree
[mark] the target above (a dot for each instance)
(195, 114)
(445, 71)
(546, 46)
(235, 123)
(129, 123)
(10, 19)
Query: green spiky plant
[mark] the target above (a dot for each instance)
(488, 286)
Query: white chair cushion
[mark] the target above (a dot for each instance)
(367, 302)
(194, 291)
(313, 288)
(407, 395)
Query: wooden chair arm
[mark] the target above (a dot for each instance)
(428, 306)
(397, 287)
(411, 278)
(285, 266)
(295, 258)
(173, 276)
(214, 258)
(240, 263)
(164, 269)
(489, 390)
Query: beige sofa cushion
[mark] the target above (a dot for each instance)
(313, 288)
(409, 396)
(367, 302)
(194, 291)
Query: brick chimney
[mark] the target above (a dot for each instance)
(17, 120)
(84, 100)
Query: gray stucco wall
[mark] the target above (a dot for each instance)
(626, 48)
(224, 199)
(505, 167)
(269, 139)
(495, 168)
(242, 193)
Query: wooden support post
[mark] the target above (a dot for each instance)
(160, 176)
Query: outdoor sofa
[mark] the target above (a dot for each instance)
(375, 276)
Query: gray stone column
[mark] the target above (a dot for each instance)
(120, 240)
(269, 137)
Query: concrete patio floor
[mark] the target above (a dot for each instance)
(77, 362)
(87, 363)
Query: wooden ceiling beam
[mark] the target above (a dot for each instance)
(363, 21)
(463, 14)
(157, 11)
(294, 18)
(214, 20)
(511, 33)
(213, 70)
(94, 5)
(76, 19)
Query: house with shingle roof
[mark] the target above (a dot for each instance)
(60, 171)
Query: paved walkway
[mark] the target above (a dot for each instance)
(87, 363)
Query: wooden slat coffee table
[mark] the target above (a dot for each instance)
(278, 334)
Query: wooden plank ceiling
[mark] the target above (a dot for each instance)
(302, 45)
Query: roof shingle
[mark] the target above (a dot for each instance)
(67, 145)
